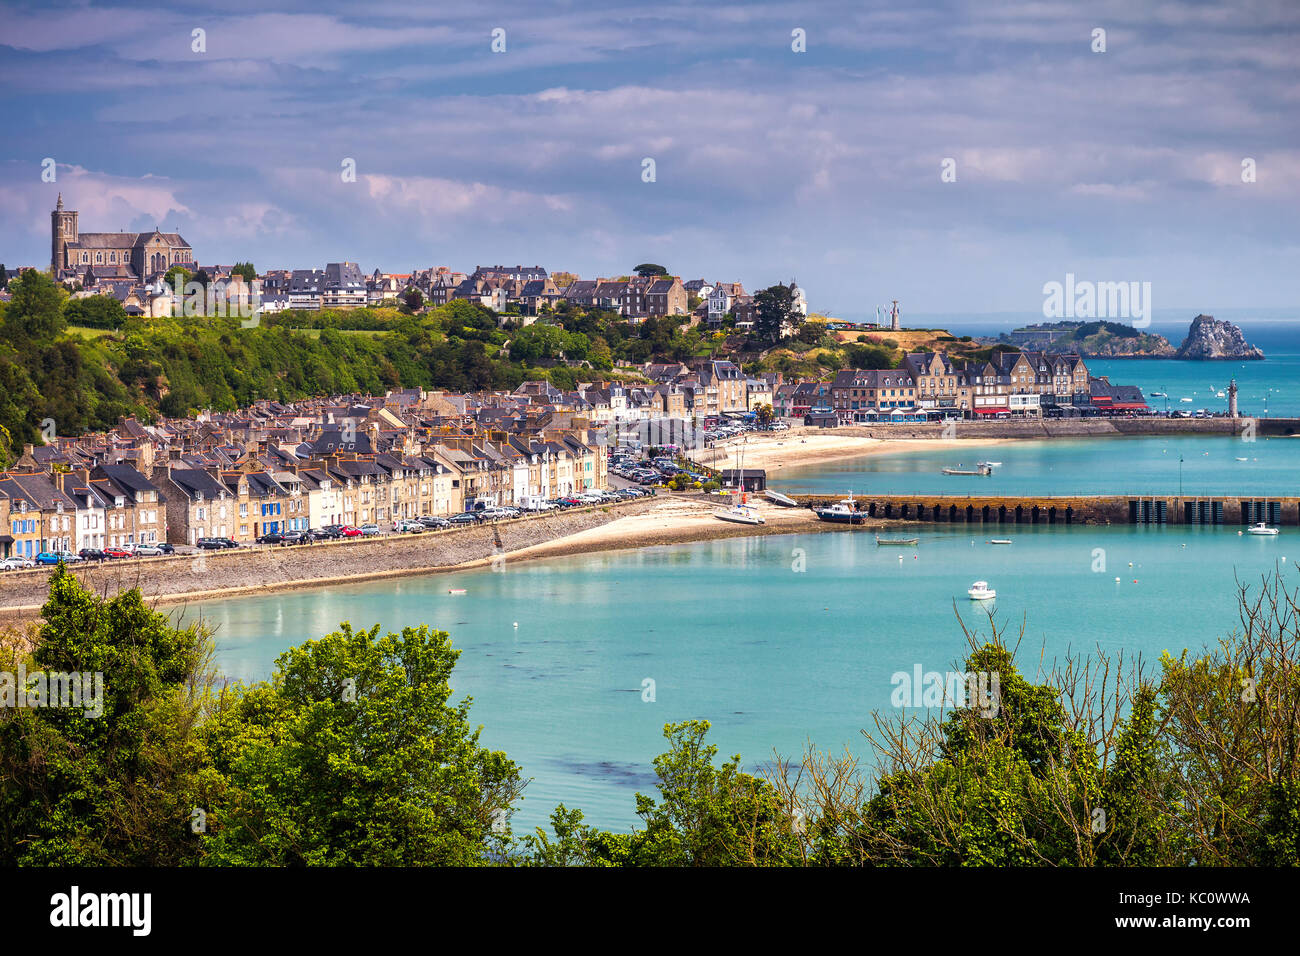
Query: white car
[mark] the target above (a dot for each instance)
(146, 550)
(16, 564)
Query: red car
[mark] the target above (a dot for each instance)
(117, 553)
(350, 532)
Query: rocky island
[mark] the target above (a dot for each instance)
(1209, 339)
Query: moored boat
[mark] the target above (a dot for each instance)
(842, 512)
(904, 542)
(983, 468)
(980, 591)
(780, 499)
(1261, 528)
(1000, 541)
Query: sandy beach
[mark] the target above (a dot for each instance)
(774, 451)
(672, 519)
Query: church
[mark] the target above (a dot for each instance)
(139, 257)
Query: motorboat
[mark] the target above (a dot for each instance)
(741, 514)
(980, 591)
(1000, 541)
(1243, 459)
(904, 542)
(992, 464)
(842, 512)
(983, 468)
(1261, 528)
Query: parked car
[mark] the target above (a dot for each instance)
(297, 537)
(435, 521)
(16, 563)
(465, 517)
(147, 550)
(92, 554)
(369, 530)
(348, 531)
(330, 531)
(271, 537)
(54, 557)
(216, 544)
(117, 553)
(408, 526)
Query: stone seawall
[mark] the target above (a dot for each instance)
(1068, 428)
(211, 574)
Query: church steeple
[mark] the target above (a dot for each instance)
(59, 207)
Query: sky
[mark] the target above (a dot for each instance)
(825, 166)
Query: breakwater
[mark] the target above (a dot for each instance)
(1074, 509)
(1073, 428)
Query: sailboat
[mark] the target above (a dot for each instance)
(742, 512)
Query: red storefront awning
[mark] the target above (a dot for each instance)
(991, 411)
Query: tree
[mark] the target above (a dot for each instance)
(34, 316)
(4, 276)
(766, 413)
(354, 755)
(116, 789)
(412, 300)
(95, 312)
(176, 272)
(773, 309)
(245, 269)
(647, 269)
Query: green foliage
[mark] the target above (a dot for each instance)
(245, 269)
(647, 269)
(95, 312)
(354, 755)
(119, 788)
(35, 314)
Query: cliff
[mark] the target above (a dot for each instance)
(1210, 339)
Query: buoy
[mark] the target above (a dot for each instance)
(1135, 580)
(1117, 580)
(516, 623)
(1130, 564)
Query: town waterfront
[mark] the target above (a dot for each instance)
(730, 631)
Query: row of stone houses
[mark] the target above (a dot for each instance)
(931, 385)
(285, 467)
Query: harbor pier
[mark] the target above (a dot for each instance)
(1227, 510)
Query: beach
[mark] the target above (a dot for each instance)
(773, 451)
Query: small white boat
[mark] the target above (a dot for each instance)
(1261, 528)
(980, 591)
(455, 590)
(1243, 459)
(992, 464)
(1188, 400)
(780, 499)
(1157, 394)
(1000, 541)
(740, 514)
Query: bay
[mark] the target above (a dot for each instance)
(731, 632)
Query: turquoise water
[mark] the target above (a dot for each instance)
(1267, 389)
(1100, 466)
(730, 632)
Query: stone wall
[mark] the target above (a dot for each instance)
(1067, 428)
(219, 573)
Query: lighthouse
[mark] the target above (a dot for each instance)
(1232, 399)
